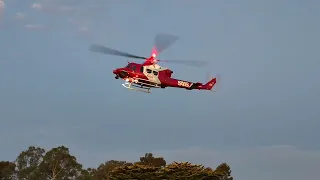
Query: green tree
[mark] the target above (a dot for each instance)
(148, 159)
(85, 175)
(136, 171)
(186, 170)
(58, 164)
(224, 172)
(7, 170)
(103, 171)
(174, 171)
(28, 161)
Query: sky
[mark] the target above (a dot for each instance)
(263, 119)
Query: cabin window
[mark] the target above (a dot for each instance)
(141, 69)
(155, 73)
(133, 68)
(149, 71)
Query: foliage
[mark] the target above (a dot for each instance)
(27, 163)
(148, 159)
(103, 171)
(58, 164)
(7, 170)
(176, 170)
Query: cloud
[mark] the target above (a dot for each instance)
(51, 6)
(263, 163)
(78, 12)
(35, 26)
(36, 6)
(85, 32)
(2, 6)
(62, 7)
(20, 16)
(44, 7)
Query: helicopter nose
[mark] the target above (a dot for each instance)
(115, 71)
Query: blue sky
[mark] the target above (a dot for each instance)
(262, 119)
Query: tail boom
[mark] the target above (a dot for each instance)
(190, 85)
(208, 86)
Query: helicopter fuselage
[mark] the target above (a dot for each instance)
(155, 76)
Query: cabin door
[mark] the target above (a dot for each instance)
(152, 75)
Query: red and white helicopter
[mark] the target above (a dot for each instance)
(143, 77)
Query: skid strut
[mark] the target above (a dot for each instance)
(129, 85)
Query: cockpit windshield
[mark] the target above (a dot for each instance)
(131, 66)
(128, 66)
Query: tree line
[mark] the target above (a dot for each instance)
(36, 163)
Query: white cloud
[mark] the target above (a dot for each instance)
(52, 6)
(263, 163)
(35, 26)
(20, 16)
(2, 6)
(36, 6)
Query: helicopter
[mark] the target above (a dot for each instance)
(149, 74)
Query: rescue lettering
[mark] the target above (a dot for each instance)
(184, 84)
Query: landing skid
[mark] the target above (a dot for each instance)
(129, 85)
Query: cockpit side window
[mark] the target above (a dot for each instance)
(149, 71)
(134, 68)
(155, 73)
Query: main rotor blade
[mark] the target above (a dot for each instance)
(105, 50)
(188, 63)
(163, 41)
